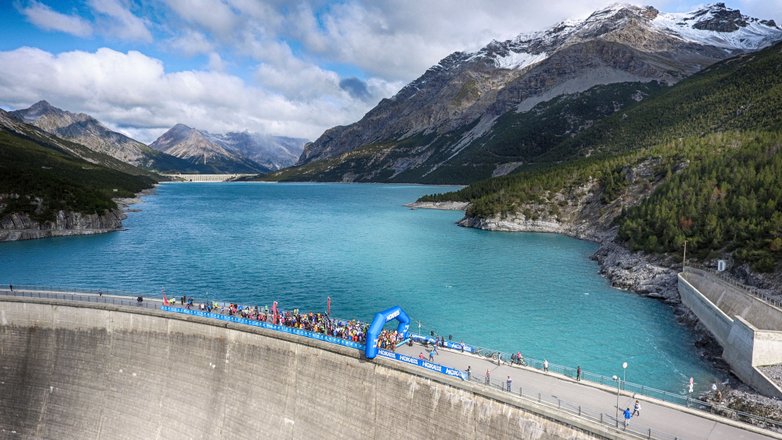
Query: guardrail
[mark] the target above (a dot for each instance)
(91, 297)
(685, 400)
(574, 409)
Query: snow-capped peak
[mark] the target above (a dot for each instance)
(720, 26)
(713, 25)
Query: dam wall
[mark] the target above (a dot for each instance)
(746, 327)
(101, 371)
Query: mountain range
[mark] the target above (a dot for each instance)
(180, 150)
(236, 151)
(483, 114)
(88, 131)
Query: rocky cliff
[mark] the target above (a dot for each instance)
(19, 226)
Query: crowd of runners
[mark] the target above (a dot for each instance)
(316, 322)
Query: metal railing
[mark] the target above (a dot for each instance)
(575, 409)
(97, 296)
(685, 400)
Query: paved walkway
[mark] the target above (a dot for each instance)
(666, 422)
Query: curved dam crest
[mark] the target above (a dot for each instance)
(75, 371)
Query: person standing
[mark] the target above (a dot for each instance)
(627, 415)
(578, 373)
(431, 356)
(545, 366)
(509, 382)
(469, 372)
(488, 377)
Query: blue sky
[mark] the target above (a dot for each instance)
(276, 67)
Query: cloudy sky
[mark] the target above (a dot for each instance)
(280, 67)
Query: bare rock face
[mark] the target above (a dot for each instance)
(718, 18)
(21, 227)
(454, 104)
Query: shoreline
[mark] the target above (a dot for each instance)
(68, 224)
(639, 274)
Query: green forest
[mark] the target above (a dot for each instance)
(38, 178)
(728, 198)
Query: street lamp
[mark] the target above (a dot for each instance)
(615, 378)
(624, 378)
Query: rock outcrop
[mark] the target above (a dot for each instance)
(20, 226)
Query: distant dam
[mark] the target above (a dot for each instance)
(72, 370)
(206, 177)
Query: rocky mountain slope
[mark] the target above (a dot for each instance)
(48, 189)
(242, 152)
(473, 115)
(88, 131)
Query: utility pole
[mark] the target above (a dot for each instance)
(684, 256)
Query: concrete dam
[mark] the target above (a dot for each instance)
(73, 370)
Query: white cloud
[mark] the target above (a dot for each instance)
(214, 15)
(399, 40)
(133, 92)
(191, 43)
(120, 22)
(296, 79)
(216, 62)
(46, 18)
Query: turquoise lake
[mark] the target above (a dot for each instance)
(255, 243)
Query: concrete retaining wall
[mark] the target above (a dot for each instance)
(745, 347)
(718, 323)
(732, 301)
(71, 371)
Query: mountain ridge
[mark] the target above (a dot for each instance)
(88, 131)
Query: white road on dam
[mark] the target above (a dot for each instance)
(666, 421)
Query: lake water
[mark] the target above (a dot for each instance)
(255, 243)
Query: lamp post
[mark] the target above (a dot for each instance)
(616, 415)
(624, 375)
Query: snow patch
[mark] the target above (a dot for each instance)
(519, 60)
(755, 35)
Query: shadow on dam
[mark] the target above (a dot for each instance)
(97, 371)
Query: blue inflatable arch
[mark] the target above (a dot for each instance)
(379, 322)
